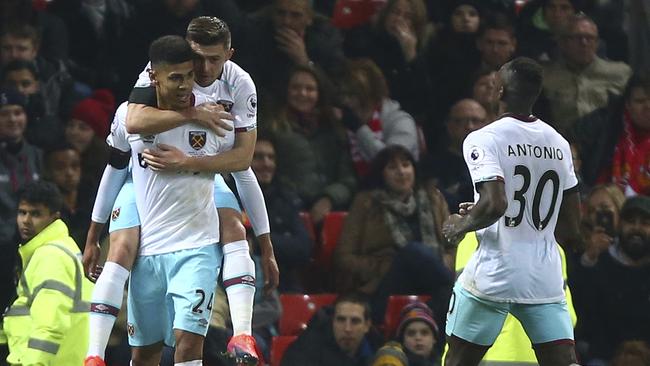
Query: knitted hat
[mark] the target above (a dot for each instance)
(390, 354)
(635, 204)
(416, 311)
(96, 111)
(9, 96)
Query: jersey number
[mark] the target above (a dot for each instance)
(141, 161)
(549, 175)
(197, 307)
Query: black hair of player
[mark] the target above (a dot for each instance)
(522, 78)
(209, 31)
(42, 192)
(170, 50)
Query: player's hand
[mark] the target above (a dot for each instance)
(269, 265)
(90, 259)
(213, 117)
(465, 207)
(320, 209)
(451, 229)
(292, 44)
(164, 158)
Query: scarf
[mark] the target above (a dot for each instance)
(631, 161)
(361, 162)
(397, 213)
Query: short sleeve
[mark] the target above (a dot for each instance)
(118, 138)
(245, 106)
(481, 157)
(571, 181)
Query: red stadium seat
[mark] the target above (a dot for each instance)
(332, 226)
(279, 345)
(309, 225)
(394, 306)
(298, 309)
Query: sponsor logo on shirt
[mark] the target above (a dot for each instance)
(115, 214)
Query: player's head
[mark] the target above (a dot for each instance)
(209, 38)
(521, 81)
(39, 205)
(172, 71)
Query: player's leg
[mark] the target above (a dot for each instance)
(473, 325)
(149, 321)
(550, 330)
(238, 272)
(106, 301)
(192, 277)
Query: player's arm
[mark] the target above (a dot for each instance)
(567, 230)
(113, 179)
(144, 118)
(255, 206)
(491, 205)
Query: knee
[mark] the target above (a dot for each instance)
(189, 347)
(124, 248)
(232, 229)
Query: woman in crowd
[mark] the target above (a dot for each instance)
(373, 120)
(391, 242)
(312, 146)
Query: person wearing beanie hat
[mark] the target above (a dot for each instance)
(391, 354)
(86, 130)
(418, 333)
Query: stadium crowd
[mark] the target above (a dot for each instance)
(363, 109)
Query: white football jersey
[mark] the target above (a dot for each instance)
(234, 89)
(517, 259)
(176, 209)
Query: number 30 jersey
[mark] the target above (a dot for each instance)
(517, 259)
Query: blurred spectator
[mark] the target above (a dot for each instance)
(390, 354)
(373, 120)
(63, 168)
(155, 18)
(23, 42)
(632, 353)
(601, 221)
(615, 292)
(615, 140)
(291, 242)
(44, 128)
(87, 129)
(418, 333)
(391, 242)
(311, 145)
(486, 93)
(335, 338)
(47, 324)
(638, 32)
(496, 42)
(580, 82)
(445, 166)
(20, 162)
(54, 45)
(541, 22)
(94, 28)
(286, 35)
(396, 41)
(452, 58)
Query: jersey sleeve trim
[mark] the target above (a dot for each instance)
(246, 128)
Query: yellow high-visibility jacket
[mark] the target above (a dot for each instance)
(512, 347)
(48, 322)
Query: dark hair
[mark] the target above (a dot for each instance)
(375, 177)
(418, 18)
(58, 147)
(637, 80)
(524, 81)
(42, 192)
(355, 298)
(366, 80)
(208, 31)
(575, 19)
(170, 50)
(497, 21)
(22, 31)
(17, 65)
